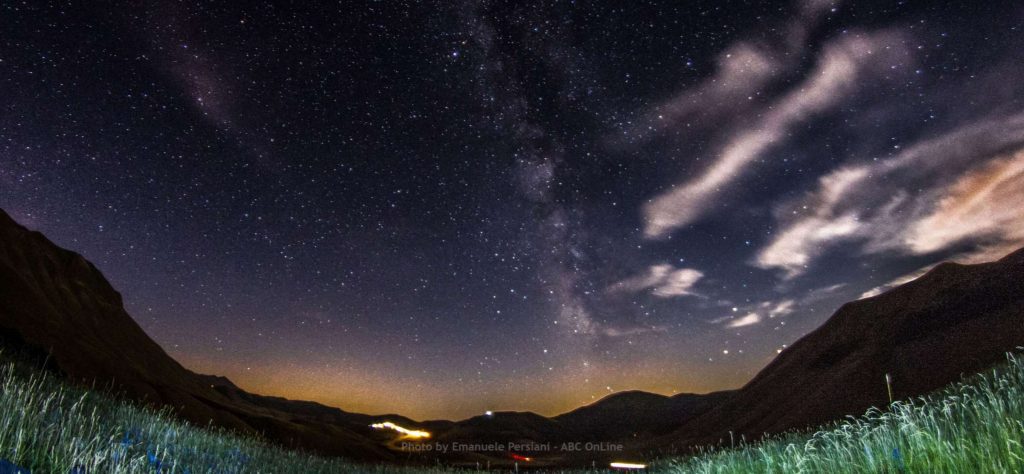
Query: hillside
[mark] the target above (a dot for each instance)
(955, 320)
(973, 426)
(54, 303)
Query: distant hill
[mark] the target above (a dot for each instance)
(622, 416)
(636, 414)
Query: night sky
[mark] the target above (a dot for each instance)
(442, 209)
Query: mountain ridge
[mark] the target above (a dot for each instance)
(57, 302)
(954, 320)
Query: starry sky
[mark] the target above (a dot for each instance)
(438, 209)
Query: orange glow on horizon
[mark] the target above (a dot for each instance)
(371, 390)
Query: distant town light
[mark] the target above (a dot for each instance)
(489, 413)
(628, 465)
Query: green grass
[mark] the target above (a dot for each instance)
(48, 426)
(972, 427)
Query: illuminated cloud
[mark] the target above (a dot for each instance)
(843, 66)
(575, 315)
(793, 250)
(678, 283)
(958, 198)
(740, 70)
(896, 282)
(748, 320)
(780, 308)
(985, 204)
(663, 280)
(802, 240)
(756, 313)
(655, 275)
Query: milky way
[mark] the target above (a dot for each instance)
(442, 209)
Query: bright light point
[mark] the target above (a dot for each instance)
(489, 413)
(405, 431)
(725, 351)
(628, 465)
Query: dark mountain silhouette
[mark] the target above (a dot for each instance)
(636, 414)
(955, 320)
(504, 427)
(621, 416)
(56, 306)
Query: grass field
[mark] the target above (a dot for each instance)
(972, 427)
(47, 426)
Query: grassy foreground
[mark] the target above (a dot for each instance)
(973, 427)
(47, 426)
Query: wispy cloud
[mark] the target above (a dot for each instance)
(986, 204)
(664, 280)
(896, 282)
(756, 314)
(953, 188)
(844, 64)
(748, 320)
(742, 70)
(780, 308)
(678, 283)
(793, 248)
